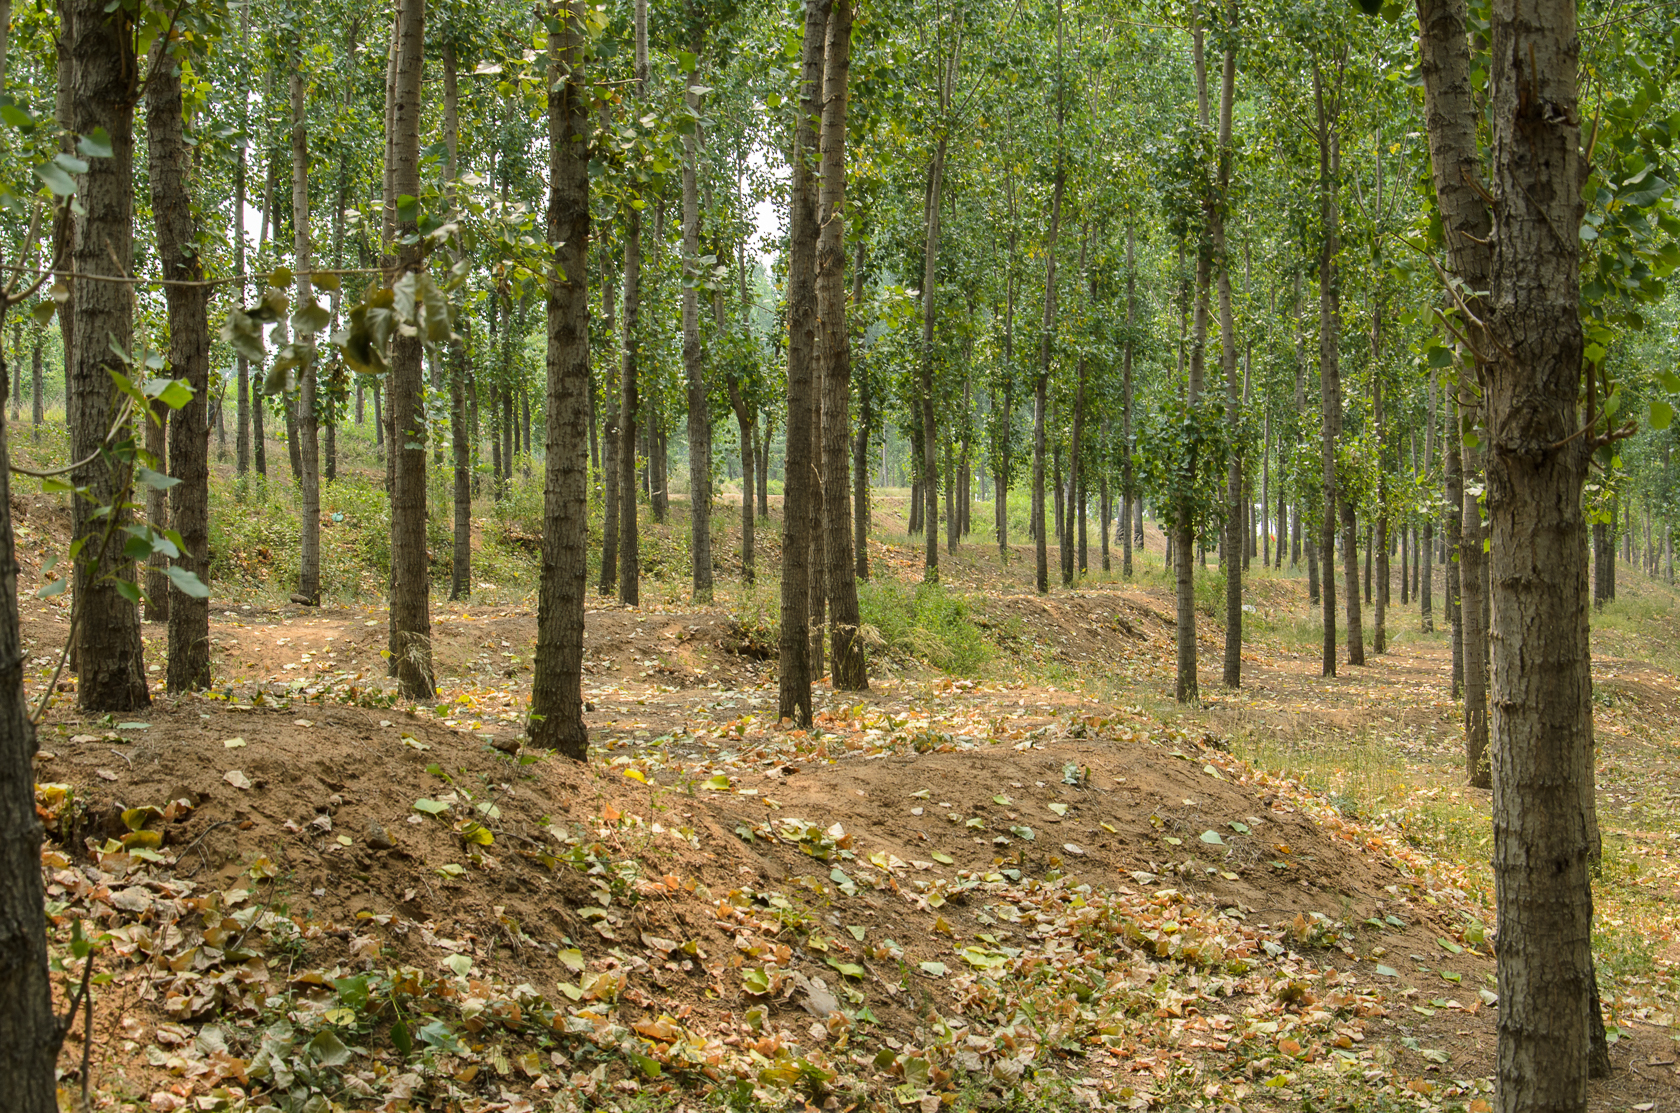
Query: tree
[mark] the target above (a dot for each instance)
(848, 669)
(308, 438)
(557, 687)
(410, 643)
(699, 404)
(29, 1032)
(794, 695)
(189, 360)
(629, 404)
(99, 48)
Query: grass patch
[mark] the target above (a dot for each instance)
(923, 622)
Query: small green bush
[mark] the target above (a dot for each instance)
(924, 622)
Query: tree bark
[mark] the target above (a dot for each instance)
(557, 681)
(1330, 387)
(110, 657)
(410, 610)
(1545, 826)
(699, 405)
(1474, 636)
(629, 402)
(848, 671)
(610, 434)
(189, 359)
(308, 423)
(1236, 525)
(794, 695)
(866, 417)
(929, 412)
(1041, 380)
(460, 563)
(156, 423)
(29, 1032)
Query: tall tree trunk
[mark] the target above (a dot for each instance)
(629, 404)
(309, 445)
(1545, 825)
(410, 609)
(242, 431)
(817, 575)
(110, 656)
(29, 1032)
(1330, 386)
(1453, 453)
(930, 303)
(1237, 532)
(699, 405)
(557, 682)
(1187, 687)
(794, 696)
(866, 417)
(1041, 380)
(460, 563)
(848, 671)
(764, 467)
(610, 435)
(1471, 562)
(189, 359)
(1128, 485)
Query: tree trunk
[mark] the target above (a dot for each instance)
(1128, 486)
(309, 445)
(243, 417)
(189, 359)
(37, 403)
(110, 656)
(156, 423)
(930, 283)
(557, 682)
(1041, 380)
(410, 609)
(794, 696)
(29, 1032)
(744, 420)
(699, 405)
(866, 417)
(848, 670)
(764, 468)
(817, 575)
(1474, 636)
(1545, 826)
(1237, 532)
(460, 563)
(1329, 329)
(610, 436)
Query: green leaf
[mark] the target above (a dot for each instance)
(129, 590)
(1387, 971)
(943, 858)
(95, 144)
(1212, 838)
(1662, 414)
(311, 317)
(1449, 945)
(56, 179)
(156, 480)
(717, 783)
(400, 1038)
(1669, 380)
(933, 969)
(47, 591)
(187, 582)
(16, 117)
(461, 964)
(70, 163)
(430, 807)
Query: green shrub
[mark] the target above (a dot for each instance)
(923, 622)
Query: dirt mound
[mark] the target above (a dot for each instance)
(320, 887)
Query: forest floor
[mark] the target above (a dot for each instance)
(1034, 882)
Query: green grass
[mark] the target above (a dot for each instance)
(924, 622)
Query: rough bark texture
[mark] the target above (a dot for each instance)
(1041, 380)
(1471, 570)
(308, 418)
(189, 359)
(1237, 532)
(847, 670)
(557, 683)
(794, 697)
(411, 623)
(29, 1035)
(110, 657)
(866, 417)
(699, 406)
(156, 422)
(460, 563)
(1545, 829)
(930, 283)
(1329, 373)
(609, 435)
(629, 399)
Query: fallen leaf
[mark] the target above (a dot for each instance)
(236, 778)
